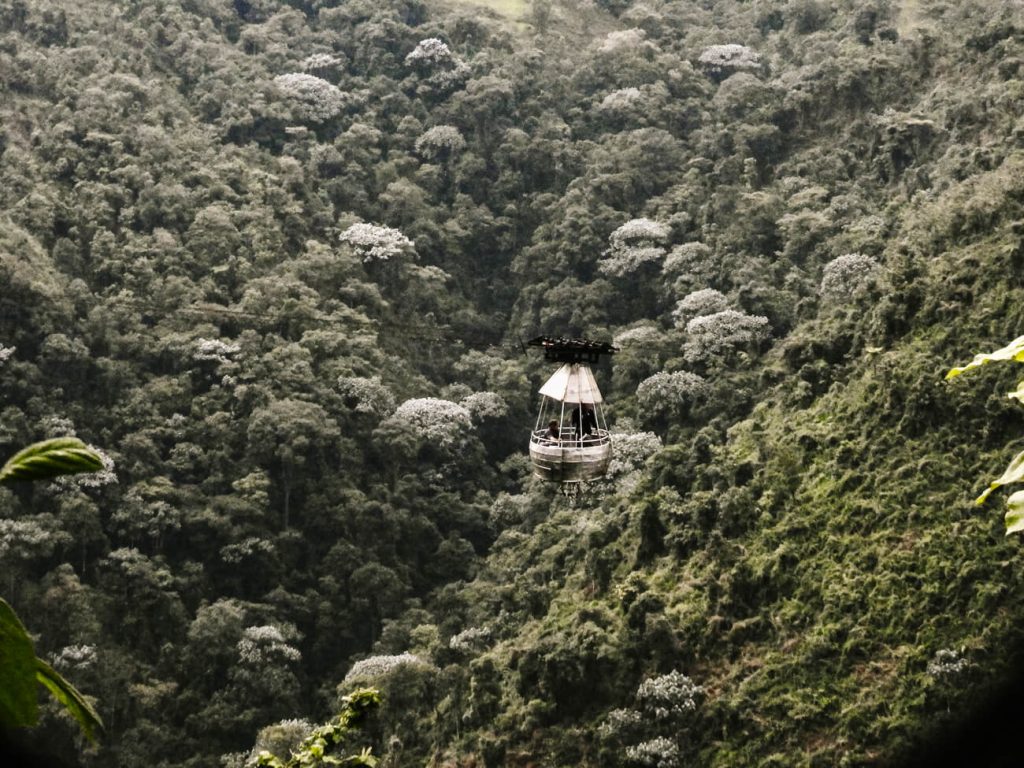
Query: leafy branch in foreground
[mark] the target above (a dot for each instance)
(316, 748)
(20, 669)
(51, 458)
(1014, 473)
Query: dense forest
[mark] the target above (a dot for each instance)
(275, 260)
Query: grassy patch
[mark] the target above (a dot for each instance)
(514, 10)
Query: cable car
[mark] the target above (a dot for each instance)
(570, 442)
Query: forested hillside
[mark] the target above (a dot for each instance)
(276, 261)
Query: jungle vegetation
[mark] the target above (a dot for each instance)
(274, 261)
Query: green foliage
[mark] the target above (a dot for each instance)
(1014, 472)
(319, 747)
(793, 540)
(70, 698)
(20, 669)
(18, 706)
(21, 672)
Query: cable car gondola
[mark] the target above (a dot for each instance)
(570, 442)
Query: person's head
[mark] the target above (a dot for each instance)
(553, 425)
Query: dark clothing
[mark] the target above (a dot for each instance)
(584, 420)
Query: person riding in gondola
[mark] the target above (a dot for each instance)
(584, 422)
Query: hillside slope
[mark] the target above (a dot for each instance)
(277, 259)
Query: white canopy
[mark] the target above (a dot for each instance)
(573, 383)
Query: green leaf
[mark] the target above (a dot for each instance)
(50, 458)
(73, 701)
(1013, 474)
(1015, 515)
(1012, 351)
(18, 698)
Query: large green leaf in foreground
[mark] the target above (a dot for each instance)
(50, 458)
(69, 696)
(1012, 351)
(18, 706)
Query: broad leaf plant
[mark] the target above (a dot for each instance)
(1014, 473)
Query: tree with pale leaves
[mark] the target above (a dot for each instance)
(483, 406)
(373, 242)
(442, 142)
(637, 242)
(668, 393)
(440, 422)
(436, 65)
(843, 276)
(382, 665)
(311, 98)
(706, 301)
(711, 337)
(658, 752)
(720, 61)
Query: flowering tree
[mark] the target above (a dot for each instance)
(323, 64)
(440, 422)
(844, 275)
(720, 61)
(485, 405)
(712, 336)
(669, 696)
(470, 640)
(380, 666)
(6, 353)
(667, 393)
(101, 477)
(430, 54)
(636, 242)
(622, 100)
(947, 664)
(216, 350)
(640, 336)
(655, 753)
(436, 65)
(265, 644)
(442, 142)
(312, 99)
(374, 242)
(706, 301)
